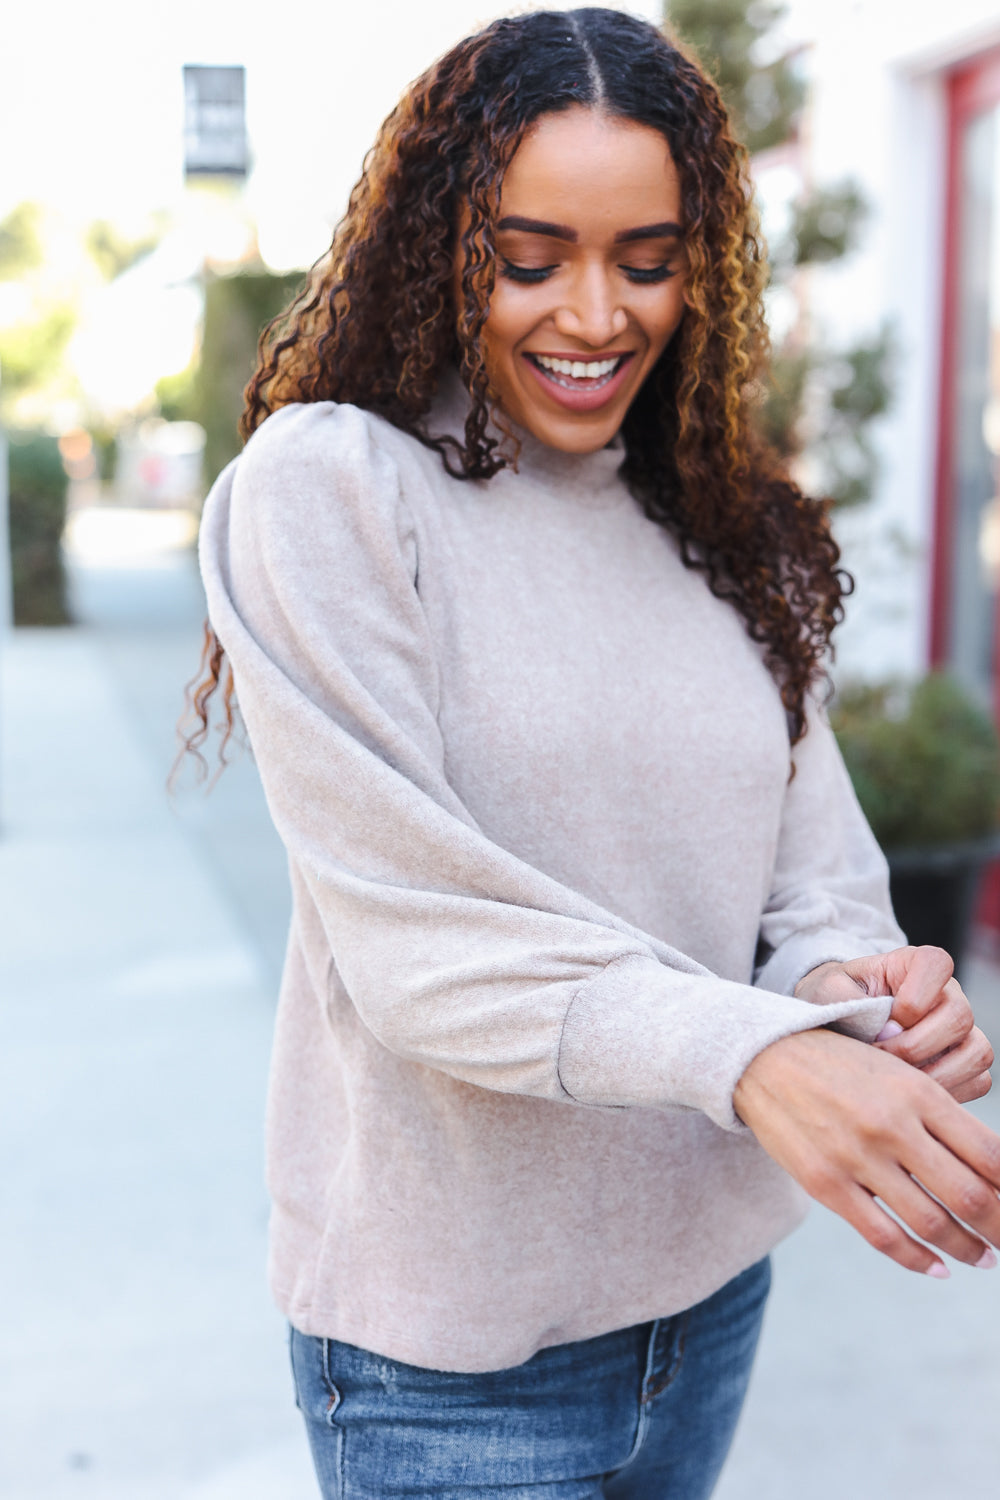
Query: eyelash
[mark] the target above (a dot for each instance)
(531, 275)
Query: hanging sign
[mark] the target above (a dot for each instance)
(215, 136)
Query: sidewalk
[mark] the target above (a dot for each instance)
(141, 944)
(142, 1359)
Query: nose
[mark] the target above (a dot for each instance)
(591, 311)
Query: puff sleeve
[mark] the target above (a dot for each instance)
(458, 955)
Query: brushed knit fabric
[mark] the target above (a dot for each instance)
(534, 783)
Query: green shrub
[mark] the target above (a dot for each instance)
(924, 759)
(37, 518)
(237, 308)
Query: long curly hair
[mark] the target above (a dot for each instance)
(376, 323)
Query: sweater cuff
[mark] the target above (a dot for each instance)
(805, 951)
(639, 1034)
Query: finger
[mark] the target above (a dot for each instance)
(929, 1219)
(962, 1135)
(859, 1208)
(977, 1088)
(970, 1059)
(928, 970)
(941, 1028)
(959, 1189)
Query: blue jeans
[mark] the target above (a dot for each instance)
(645, 1413)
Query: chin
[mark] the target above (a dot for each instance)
(575, 436)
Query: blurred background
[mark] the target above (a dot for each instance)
(167, 178)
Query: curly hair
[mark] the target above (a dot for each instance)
(376, 323)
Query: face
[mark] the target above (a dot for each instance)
(590, 275)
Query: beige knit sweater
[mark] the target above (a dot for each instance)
(533, 779)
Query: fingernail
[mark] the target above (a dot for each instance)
(939, 1270)
(890, 1029)
(986, 1261)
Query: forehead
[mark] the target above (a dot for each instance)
(582, 164)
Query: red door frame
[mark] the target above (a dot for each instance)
(972, 88)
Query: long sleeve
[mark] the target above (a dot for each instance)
(830, 893)
(458, 955)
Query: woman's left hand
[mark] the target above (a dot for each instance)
(931, 1024)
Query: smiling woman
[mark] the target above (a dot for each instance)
(590, 288)
(592, 961)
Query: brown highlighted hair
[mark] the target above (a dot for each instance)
(376, 324)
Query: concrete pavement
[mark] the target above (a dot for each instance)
(141, 942)
(142, 1359)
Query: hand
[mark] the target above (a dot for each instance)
(931, 1023)
(854, 1125)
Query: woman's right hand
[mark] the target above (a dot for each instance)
(853, 1124)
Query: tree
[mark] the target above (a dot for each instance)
(822, 400)
(763, 99)
(20, 241)
(114, 252)
(33, 341)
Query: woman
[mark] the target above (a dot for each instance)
(525, 625)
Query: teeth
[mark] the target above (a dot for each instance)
(579, 369)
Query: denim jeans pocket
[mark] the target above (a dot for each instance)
(333, 1394)
(558, 1422)
(318, 1398)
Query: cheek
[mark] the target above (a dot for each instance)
(666, 320)
(503, 326)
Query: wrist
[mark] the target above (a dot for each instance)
(791, 1064)
(753, 1081)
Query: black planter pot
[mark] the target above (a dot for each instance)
(934, 891)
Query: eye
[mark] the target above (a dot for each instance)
(527, 275)
(648, 276)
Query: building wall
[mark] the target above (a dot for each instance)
(877, 115)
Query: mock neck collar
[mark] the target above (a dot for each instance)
(536, 460)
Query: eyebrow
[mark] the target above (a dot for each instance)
(665, 230)
(668, 229)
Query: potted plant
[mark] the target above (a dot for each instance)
(925, 762)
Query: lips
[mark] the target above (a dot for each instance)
(581, 383)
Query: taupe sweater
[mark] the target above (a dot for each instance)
(533, 779)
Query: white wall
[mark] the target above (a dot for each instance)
(877, 115)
